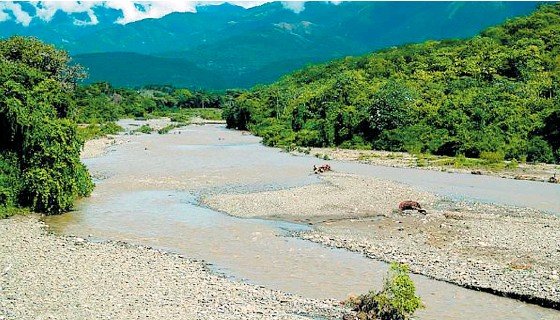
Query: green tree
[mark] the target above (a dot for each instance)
(37, 135)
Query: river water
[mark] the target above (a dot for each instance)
(147, 192)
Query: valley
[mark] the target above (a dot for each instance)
(345, 209)
(279, 160)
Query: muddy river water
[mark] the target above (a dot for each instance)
(147, 191)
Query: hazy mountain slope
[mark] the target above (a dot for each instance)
(249, 46)
(258, 45)
(133, 69)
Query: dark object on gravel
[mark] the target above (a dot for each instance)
(411, 205)
(553, 179)
(321, 168)
(476, 172)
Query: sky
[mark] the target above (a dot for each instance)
(131, 10)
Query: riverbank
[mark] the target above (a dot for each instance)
(98, 146)
(201, 161)
(541, 172)
(60, 277)
(506, 250)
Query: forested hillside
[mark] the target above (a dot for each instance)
(226, 46)
(497, 93)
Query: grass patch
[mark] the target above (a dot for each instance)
(170, 127)
(145, 128)
(93, 131)
(6, 212)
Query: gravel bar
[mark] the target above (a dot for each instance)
(45, 276)
(505, 250)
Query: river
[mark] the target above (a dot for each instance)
(147, 191)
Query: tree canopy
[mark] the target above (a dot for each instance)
(39, 148)
(497, 92)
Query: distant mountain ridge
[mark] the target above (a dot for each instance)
(129, 69)
(227, 46)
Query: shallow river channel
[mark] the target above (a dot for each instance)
(147, 191)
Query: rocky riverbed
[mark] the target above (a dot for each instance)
(43, 276)
(507, 250)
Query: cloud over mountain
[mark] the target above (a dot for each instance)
(24, 12)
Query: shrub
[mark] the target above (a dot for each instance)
(492, 157)
(513, 164)
(93, 131)
(356, 142)
(53, 176)
(145, 128)
(40, 166)
(10, 183)
(397, 300)
(538, 150)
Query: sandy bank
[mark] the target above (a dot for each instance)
(43, 276)
(513, 251)
(338, 196)
(523, 171)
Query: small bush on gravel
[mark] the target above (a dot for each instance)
(144, 129)
(94, 130)
(396, 301)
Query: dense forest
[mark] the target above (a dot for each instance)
(101, 102)
(41, 106)
(496, 94)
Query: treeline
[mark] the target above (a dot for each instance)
(496, 94)
(100, 102)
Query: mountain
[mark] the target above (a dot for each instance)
(127, 69)
(243, 47)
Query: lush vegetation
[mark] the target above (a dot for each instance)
(397, 300)
(42, 103)
(494, 96)
(100, 103)
(39, 145)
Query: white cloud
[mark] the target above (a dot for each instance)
(3, 15)
(138, 10)
(7, 8)
(244, 4)
(46, 10)
(295, 6)
(131, 10)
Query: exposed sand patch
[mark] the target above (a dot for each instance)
(509, 250)
(338, 196)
